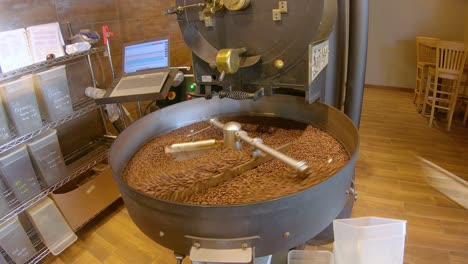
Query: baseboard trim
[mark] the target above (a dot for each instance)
(393, 88)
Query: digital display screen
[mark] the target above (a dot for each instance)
(146, 56)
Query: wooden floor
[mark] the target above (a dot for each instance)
(405, 170)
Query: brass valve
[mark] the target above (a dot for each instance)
(279, 64)
(228, 60)
(236, 5)
(213, 6)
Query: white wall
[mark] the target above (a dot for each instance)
(393, 27)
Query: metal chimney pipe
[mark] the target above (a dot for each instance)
(358, 34)
(336, 68)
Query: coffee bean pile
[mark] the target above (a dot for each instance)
(158, 174)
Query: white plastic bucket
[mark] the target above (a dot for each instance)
(369, 240)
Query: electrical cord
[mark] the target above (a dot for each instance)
(148, 107)
(198, 95)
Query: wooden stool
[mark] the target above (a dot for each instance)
(463, 89)
(425, 57)
(443, 79)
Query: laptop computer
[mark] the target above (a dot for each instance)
(145, 68)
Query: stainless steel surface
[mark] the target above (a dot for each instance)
(104, 120)
(229, 135)
(303, 214)
(352, 192)
(140, 112)
(90, 65)
(358, 33)
(122, 115)
(222, 75)
(95, 152)
(109, 56)
(183, 149)
(193, 133)
(46, 64)
(213, 243)
(215, 122)
(185, 68)
(79, 109)
(300, 167)
(232, 134)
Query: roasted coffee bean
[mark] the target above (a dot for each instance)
(157, 174)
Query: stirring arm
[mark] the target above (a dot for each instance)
(300, 167)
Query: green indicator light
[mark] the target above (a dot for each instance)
(193, 86)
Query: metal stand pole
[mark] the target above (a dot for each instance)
(103, 118)
(179, 258)
(101, 111)
(90, 65)
(122, 115)
(110, 59)
(358, 33)
(140, 113)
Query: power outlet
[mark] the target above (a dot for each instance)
(283, 7)
(276, 15)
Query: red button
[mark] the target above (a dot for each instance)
(171, 95)
(189, 97)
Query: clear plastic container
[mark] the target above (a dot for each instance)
(263, 260)
(18, 173)
(52, 93)
(47, 158)
(15, 241)
(5, 134)
(369, 240)
(51, 226)
(310, 257)
(20, 102)
(4, 207)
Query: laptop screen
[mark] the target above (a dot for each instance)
(146, 56)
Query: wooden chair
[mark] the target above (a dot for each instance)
(444, 78)
(465, 118)
(463, 90)
(425, 57)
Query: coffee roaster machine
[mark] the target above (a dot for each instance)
(288, 59)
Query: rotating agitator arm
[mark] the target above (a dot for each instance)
(233, 135)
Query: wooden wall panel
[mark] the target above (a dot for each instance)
(86, 11)
(141, 9)
(23, 13)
